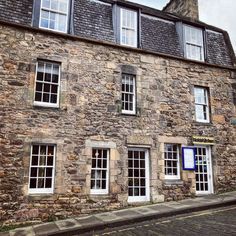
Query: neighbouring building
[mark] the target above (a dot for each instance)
(109, 103)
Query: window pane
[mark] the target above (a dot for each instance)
(50, 160)
(32, 183)
(35, 149)
(53, 98)
(41, 183)
(199, 112)
(54, 4)
(49, 172)
(33, 172)
(46, 3)
(45, 14)
(48, 183)
(45, 97)
(62, 23)
(44, 23)
(34, 161)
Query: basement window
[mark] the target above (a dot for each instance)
(172, 163)
(99, 171)
(194, 47)
(42, 169)
(47, 84)
(54, 15)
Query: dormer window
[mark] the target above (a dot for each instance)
(193, 43)
(128, 27)
(54, 15)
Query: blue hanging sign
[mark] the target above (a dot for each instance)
(188, 158)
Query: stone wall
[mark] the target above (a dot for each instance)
(89, 114)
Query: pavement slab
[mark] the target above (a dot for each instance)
(44, 229)
(127, 216)
(67, 224)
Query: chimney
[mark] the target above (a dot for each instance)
(186, 8)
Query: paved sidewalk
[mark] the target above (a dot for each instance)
(100, 221)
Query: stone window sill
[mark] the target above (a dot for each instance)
(202, 123)
(36, 197)
(173, 182)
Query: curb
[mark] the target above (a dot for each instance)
(119, 223)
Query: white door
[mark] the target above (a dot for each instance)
(138, 175)
(203, 171)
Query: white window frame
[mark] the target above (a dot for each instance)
(194, 44)
(206, 104)
(48, 104)
(106, 190)
(135, 29)
(133, 111)
(42, 190)
(208, 157)
(57, 12)
(172, 177)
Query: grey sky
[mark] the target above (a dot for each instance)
(220, 13)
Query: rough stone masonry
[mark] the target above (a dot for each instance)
(90, 114)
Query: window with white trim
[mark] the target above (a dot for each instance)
(194, 46)
(171, 158)
(42, 168)
(128, 94)
(128, 27)
(47, 84)
(54, 15)
(201, 104)
(99, 171)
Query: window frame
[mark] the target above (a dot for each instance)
(106, 190)
(133, 111)
(202, 46)
(206, 96)
(42, 190)
(48, 104)
(56, 12)
(135, 28)
(172, 177)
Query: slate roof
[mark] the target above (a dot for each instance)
(94, 19)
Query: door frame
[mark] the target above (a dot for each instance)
(209, 170)
(133, 199)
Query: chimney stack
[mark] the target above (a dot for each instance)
(186, 8)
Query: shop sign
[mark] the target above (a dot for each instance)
(203, 140)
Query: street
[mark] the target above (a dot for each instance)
(220, 222)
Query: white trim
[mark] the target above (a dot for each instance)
(202, 55)
(135, 27)
(205, 90)
(146, 198)
(48, 104)
(175, 177)
(56, 12)
(128, 112)
(101, 191)
(42, 190)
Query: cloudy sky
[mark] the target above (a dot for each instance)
(220, 13)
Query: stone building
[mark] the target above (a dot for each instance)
(108, 103)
